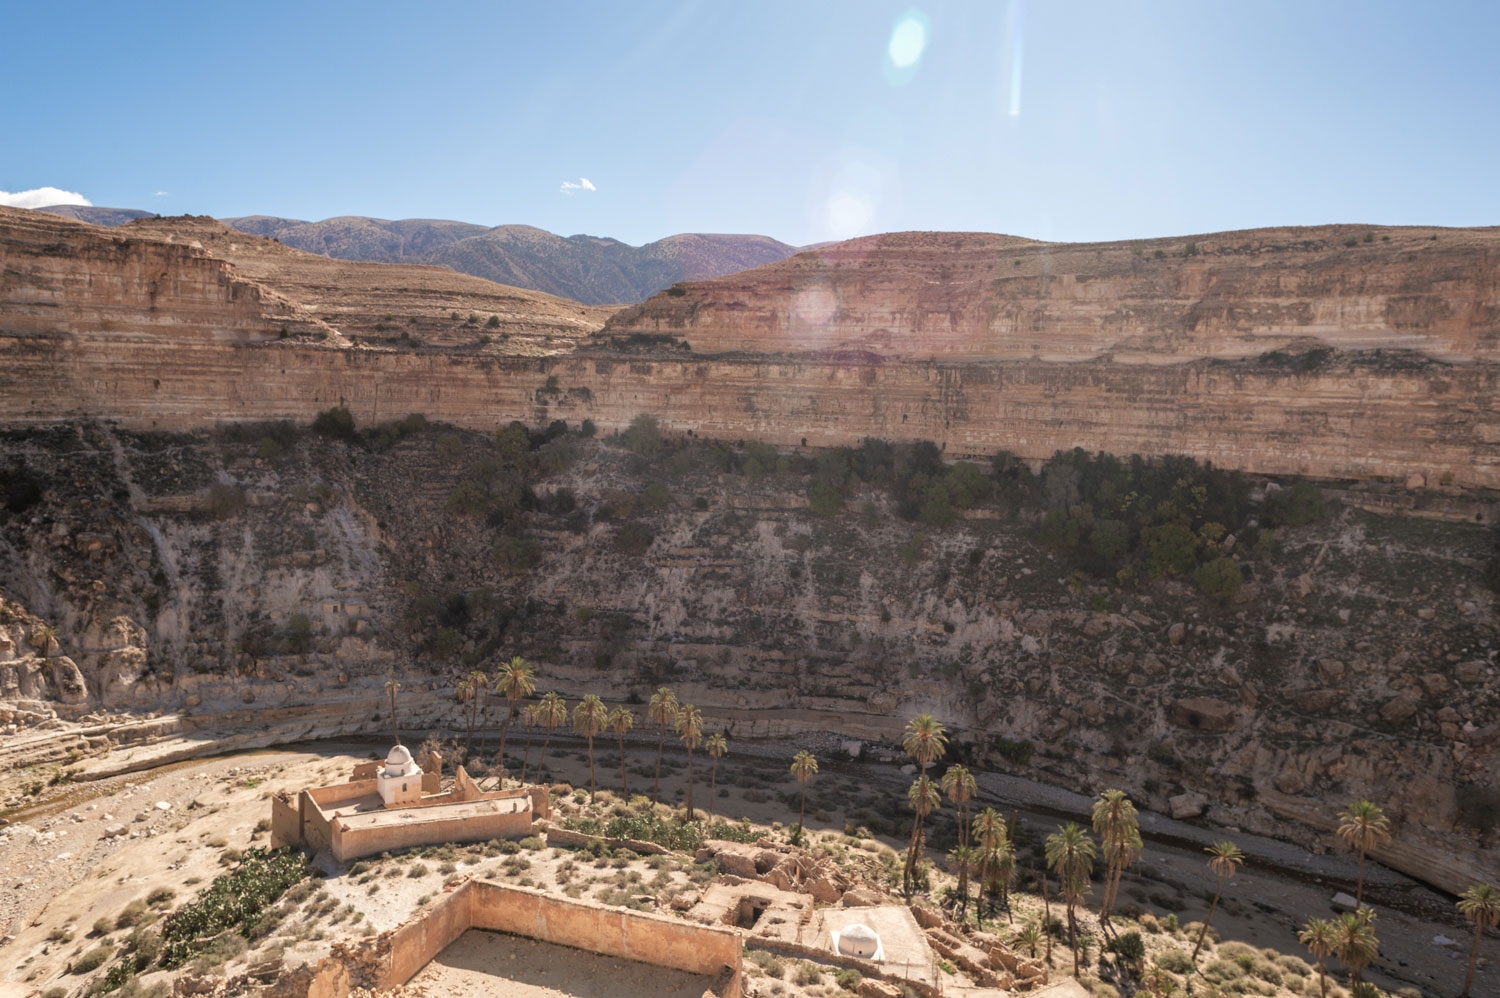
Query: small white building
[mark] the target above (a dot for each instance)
(859, 940)
(400, 780)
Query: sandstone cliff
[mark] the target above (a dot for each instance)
(1276, 351)
(983, 297)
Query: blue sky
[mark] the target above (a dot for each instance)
(804, 121)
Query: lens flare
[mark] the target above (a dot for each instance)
(908, 39)
(1015, 35)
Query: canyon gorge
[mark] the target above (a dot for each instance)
(184, 562)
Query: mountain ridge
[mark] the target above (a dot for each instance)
(593, 270)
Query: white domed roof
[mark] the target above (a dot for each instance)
(397, 757)
(859, 931)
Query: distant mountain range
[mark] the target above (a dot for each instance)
(589, 269)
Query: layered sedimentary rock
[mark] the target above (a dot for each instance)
(978, 296)
(1276, 351)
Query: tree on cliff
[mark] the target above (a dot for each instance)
(690, 731)
(663, 712)
(1321, 939)
(717, 746)
(392, 687)
(552, 711)
(1070, 852)
(924, 798)
(621, 720)
(589, 718)
(515, 681)
(1119, 829)
(804, 768)
(1480, 904)
(479, 693)
(1225, 859)
(1363, 826)
(463, 692)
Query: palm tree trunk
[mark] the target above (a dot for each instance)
(591, 769)
(713, 782)
(656, 790)
(690, 783)
(1359, 890)
(624, 780)
(504, 734)
(484, 727)
(541, 760)
(1211, 908)
(1073, 937)
(1047, 902)
(526, 760)
(1322, 979)
(802, 816)
(1473, 956)
(395, 727)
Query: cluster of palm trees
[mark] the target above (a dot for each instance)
(1070, 853)
(986, 849)
(515, 682)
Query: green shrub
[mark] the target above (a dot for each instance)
(1128, 947)
(824, 500)
(516, 555)
(234, 899)
(160, 896)
(1175, 960)
(1220, 577)
(643, 436)
(92, 960)
(1301, 504)
(848, 978)
(468, 498)
(336, 423)
(130, 914)
(634, 538)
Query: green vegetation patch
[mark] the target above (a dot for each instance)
(234, 900)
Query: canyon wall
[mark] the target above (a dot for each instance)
(161, 335)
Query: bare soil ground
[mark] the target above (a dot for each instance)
(481, 964)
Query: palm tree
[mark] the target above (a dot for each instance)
(804, 768)
(960, 786)
(1363, 826)
(392, 687)
(1321, 938)
(925, 740)
(552, 711)
(1480, 904)
(1355, 943)
(463, 692)
(1030, 936)
(43, 637)
(515, 681)
(663, 711)
(529, 715)
(479, 693)
(1119, 829)
(1225, 859)
(717, 746)
(690, 732)
(621, 720)
(1070, 852)
(589, 718)
(924, 798)
(996, 853)
(960, 859)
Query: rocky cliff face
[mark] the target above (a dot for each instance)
(986, 297)
(1276, 356)
(1361, 659)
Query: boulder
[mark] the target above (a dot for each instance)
(1176, 633)
(113, 831)
(1344, 901)
(1188, 805)
(861, 897)
(871, 988)
(1204, 714)
(1399, 708)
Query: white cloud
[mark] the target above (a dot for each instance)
(159, 194)
(583, 184)
(41, 197)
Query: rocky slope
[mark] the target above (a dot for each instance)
(1335, 397)
(245, 590)
(591, 269)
